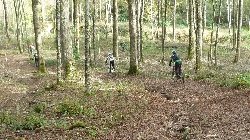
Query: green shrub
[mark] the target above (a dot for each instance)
(33, 121)
(69, 108)
(38, 108)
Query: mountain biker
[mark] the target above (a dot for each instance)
(123, 45)
(111, 62)
(178, 62)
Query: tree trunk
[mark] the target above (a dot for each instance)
(140, 22)
(191, 45)
(37, 10)
(6, 19)
(18, 24)
(234, 22)
(87, 46)
(138, 7)
(174, 20)
(212, 34)
(237, 55)
(66, 42)
(76, 26)
(229, 20)
(93, 30)
(133, 69)
(58, 48)
(115, 28)
(199, 35)
(164, 17)
(217, 35)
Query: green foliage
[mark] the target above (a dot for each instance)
(38, 108)
(186, 132)
(33, 121)
(242, 81)
(77, 124)
(70, 108)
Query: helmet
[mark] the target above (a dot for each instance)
(173, 52)
(109, 54)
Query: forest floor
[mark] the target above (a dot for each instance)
(160, 108)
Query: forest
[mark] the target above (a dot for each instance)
(56, 80)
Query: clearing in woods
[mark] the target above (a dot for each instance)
(166, 110)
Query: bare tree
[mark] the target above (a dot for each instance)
(87, 46)
(191, 45)
(140, 22)
(58, 48)
(174, 20)
(217, 34)
(237, 55)
(76, 26)
(6, 19)
(37, 20)
(17, 5)
(198, 35)
(66, 42)
(115, 28)
(133, 69)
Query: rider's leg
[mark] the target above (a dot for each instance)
(112, 64)
(176, 69)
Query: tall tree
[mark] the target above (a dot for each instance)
(93, 30)
(138, 8)
(58, 48)
(115, 28)
(133, 69)
(66, 42)
(140, 22)
(6, 19)
(198, 35)
(164, 19)
(87, 46)
(217, 34)
(212, 33)
(191, 39)
(17, 5)
(174, 19)
(76, 26)
(37, 20)
(237, 55)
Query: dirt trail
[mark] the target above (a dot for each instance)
(209, 111)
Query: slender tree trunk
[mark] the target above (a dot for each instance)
(187, 13)
(58, 48)
(191, 39)
(76, 26)
(93, 30)
(229, 20)
(199, 36)
(174, 20)
(138, 5)
(18, 25)
(234, 22)
(6, 19)
(163, 12)
(115, 28)
(37, 11)
(133, 69)
(237, 55)
(204, 14)
(87, 47)
(217, 35)
(140, 22)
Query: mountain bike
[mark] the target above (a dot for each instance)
(176, 78)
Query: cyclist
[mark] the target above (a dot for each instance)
(123, 45)
(178, 62)
(111, 62)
